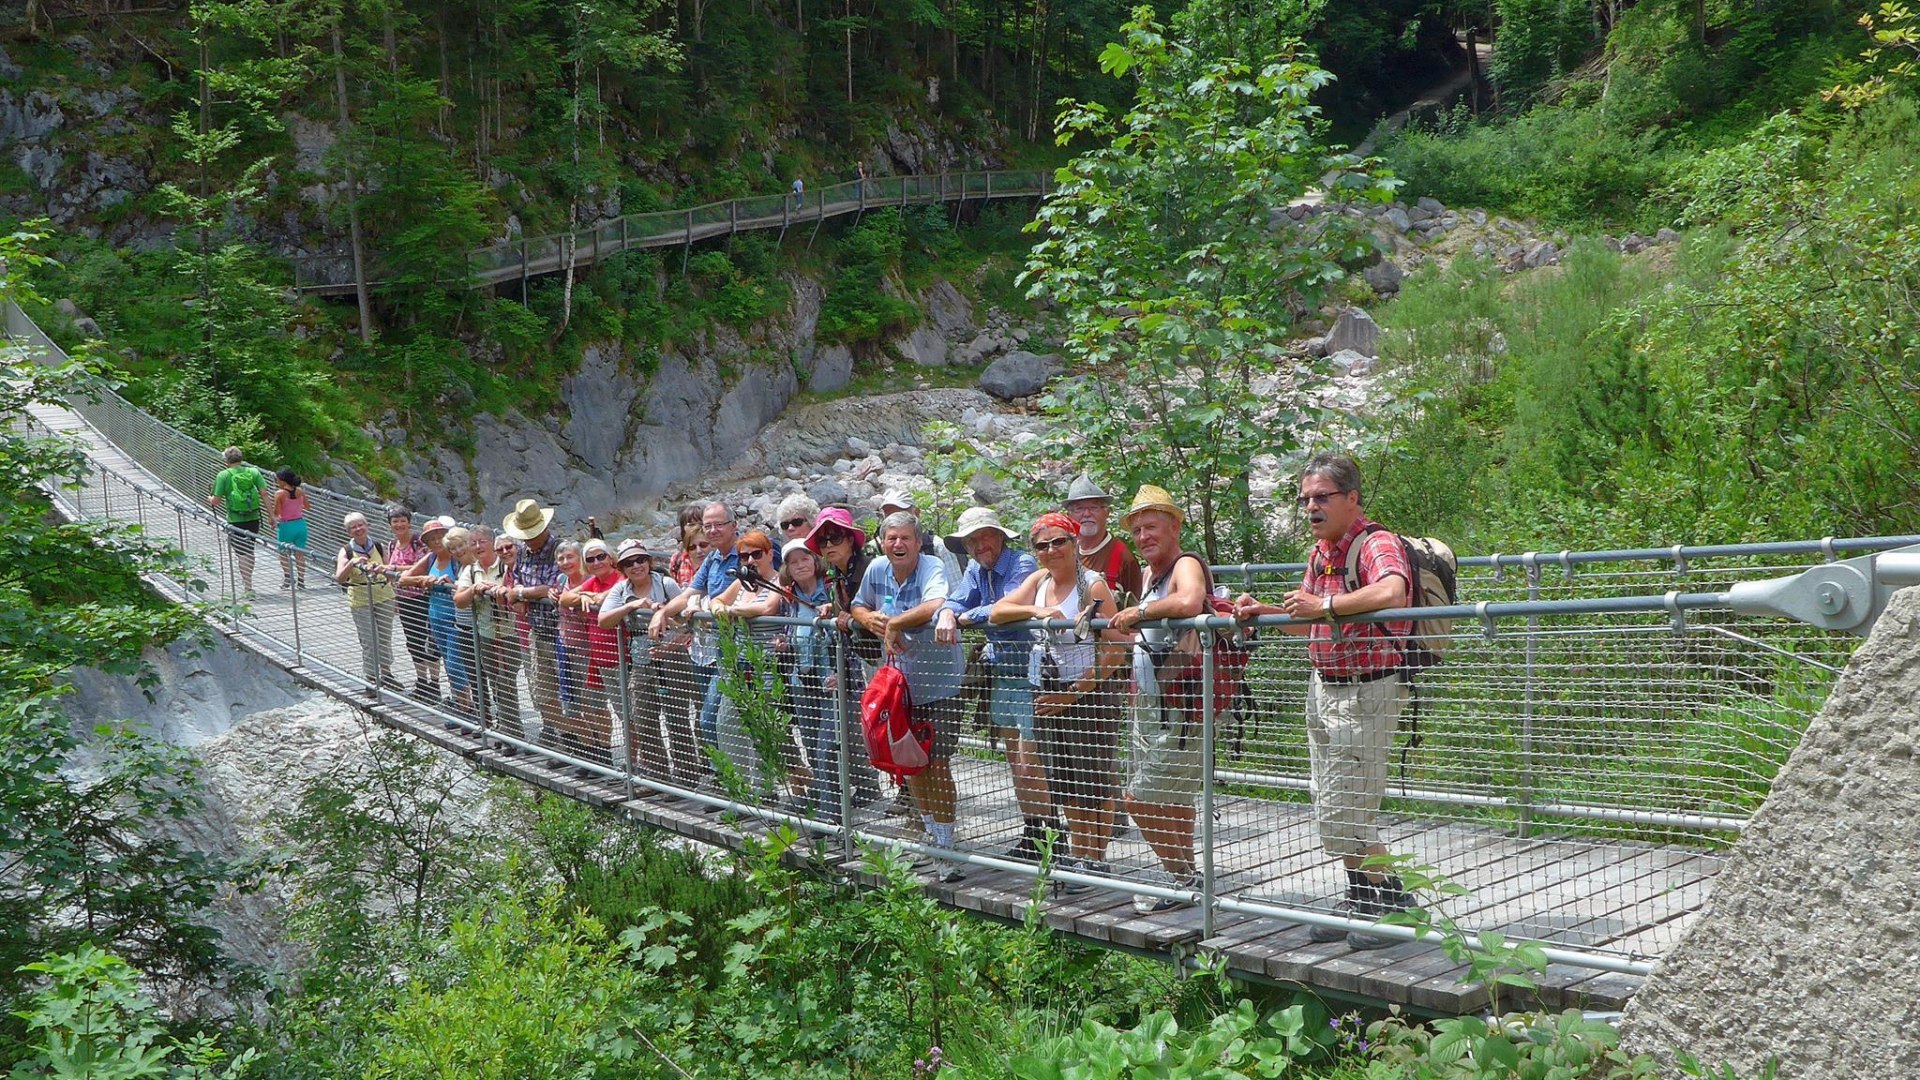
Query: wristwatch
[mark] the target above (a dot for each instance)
(1328, 606)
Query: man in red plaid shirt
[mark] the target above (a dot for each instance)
(1357, 692)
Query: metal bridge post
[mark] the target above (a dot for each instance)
(626, 708)
(1207, 733)
(525, 301)
(839, 733)
(299, 654)
(1531, 561)
(373, 619)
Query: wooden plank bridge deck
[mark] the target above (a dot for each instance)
(1620, 897)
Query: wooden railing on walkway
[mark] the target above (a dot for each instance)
(530, 256)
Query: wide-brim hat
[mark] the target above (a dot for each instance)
(899, 497)
(1154, 497)
(839, 518)
(629, 549)
(1083, 488)
(527, 521)
(438, 524)
(977, 519)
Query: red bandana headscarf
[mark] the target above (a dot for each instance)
(1056, 520)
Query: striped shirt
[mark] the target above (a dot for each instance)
(1363, 648)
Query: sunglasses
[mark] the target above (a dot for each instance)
(793, 523)
(637, 560)
(835, 537)
(1052, 545)
(1318, 498)
(596, 558)
(757, 553)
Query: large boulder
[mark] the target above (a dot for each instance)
(1385, 276)
(1806, 949)
(1019, 374)
(1356, 330)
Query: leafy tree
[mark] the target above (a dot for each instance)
(91, 1020)
(81, 859)
(1176, 290)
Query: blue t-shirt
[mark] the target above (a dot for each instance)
(933, 671)
(715, 573)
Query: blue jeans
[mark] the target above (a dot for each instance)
(446, 637)
(814, 709)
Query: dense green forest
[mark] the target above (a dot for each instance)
(1757, 377)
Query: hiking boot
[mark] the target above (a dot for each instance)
(1098, 867)
(1154, 905)
(1362, 902)
(1390, 896)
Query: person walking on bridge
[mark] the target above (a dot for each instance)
(1355, 697)
(237, 490)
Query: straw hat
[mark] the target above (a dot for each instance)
(527, 520)
(1154, 497)
(976, 518)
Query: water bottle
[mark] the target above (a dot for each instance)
(887, 606)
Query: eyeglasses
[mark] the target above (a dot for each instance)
(1052, 545)
(596, 558)
(1317, 498)
(793, 523)
(638, 560)
(715, 526)
(502, 549)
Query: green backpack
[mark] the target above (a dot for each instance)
(244, 485)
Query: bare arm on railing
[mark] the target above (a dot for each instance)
(1186, 598)
(1388, 592)
(416, 576)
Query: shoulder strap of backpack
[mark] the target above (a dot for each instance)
(1115, 561)
(1206, 572)
(1351, 572)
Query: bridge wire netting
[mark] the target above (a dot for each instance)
(1582, 774)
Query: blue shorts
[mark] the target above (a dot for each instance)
(1009, 695)
(292, 533)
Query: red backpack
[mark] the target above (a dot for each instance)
(899, 743)
(1179, 673)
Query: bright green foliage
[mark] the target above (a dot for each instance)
(91, 1022)
(1174, 289)
(1540, 40)
(859, 306)
(1520, 1047)
(1236, 1044)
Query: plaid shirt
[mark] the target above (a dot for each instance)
(1363, 648)
(531, 570)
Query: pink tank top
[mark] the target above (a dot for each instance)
(293, 507)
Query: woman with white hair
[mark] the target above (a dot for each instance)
(361, 569)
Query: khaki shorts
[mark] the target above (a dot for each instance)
(1163, 754)
(1349, 745)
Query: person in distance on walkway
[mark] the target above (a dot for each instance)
(361, 569)
(898, 600)
(996, 570)
(1355, 697)
(237, 489)
(290, 528)
(1164, 765)
(1076, 696)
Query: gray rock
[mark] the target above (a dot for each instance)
(926, 346)
(1541, 253)
(1019, 374)
(1397, 217)
(1808, 929)
(1666, 236)
(1478, 217)
(828, 493)
(1385, 277)
(1314, 346)
(830, 369)
(29, 118)
(1020, 335)
(986, 488)
(8, 69)
(1634, 244)
(1419, 214)
(1431, 205)
(1356, 330)
(1351, 362)
(948, 311)
(858, 446)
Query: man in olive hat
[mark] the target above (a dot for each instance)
(1100, 550)
(1164, 766)
(532, 584)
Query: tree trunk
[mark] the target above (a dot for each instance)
(849, 52)
(568, 251)
(353, 191)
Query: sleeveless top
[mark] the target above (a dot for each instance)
(1074, 657)
(1144, 683)
(405, 555)
(361, 590)
(293, 505)
(440, 594)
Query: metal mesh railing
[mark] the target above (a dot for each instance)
(1584, 759)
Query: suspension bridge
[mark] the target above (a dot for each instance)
(523, 258)
(1604, 726)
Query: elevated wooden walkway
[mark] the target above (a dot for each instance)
(528, 257)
